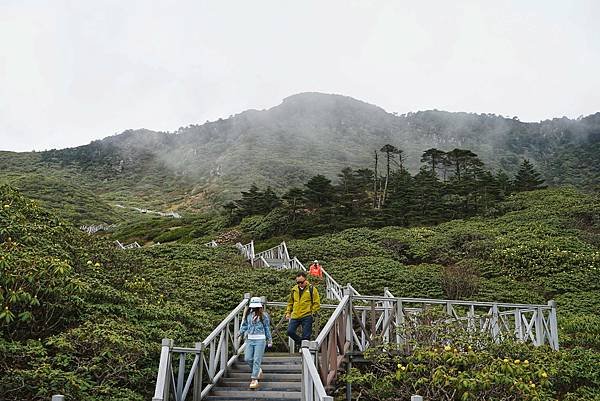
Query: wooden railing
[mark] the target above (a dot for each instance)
(246, 250)
(356, 323)
(279, 252)
(211, 358)
(133, 245)
(312, 385)
(389, 316)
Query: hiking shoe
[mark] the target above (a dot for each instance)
(254, 384)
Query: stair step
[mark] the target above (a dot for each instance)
(273, 362)
(245, 398)
(264, 384)
(279, 368)
(253, 394)
(279, 359)
(268, 376)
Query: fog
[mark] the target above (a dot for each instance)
(73, 71)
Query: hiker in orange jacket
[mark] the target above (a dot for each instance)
(316, 270)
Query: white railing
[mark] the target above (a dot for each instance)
(356, 323)
(277, 252)
(388, 315)
(295, 264)
(247, 250)
(312, 387)
(133, 245)
(223, 346)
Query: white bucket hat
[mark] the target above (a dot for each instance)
(316, 261)
(255, 302)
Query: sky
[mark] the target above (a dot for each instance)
(79, 70)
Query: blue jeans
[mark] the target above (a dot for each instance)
(306, 322)
(255, 349)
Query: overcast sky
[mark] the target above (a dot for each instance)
(74, 71)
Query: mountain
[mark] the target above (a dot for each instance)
(307, 134)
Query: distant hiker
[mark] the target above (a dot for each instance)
(256, 327)
(316, 270)
(303, 304)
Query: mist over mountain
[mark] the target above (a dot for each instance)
(308, 134)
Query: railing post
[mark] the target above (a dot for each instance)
(224, 349)
(518, 325)
(539, 326)
(198, 373)
(163, 381)
(349, 328)
(399, 322)
(313, 348)
(180, 375)
(495, 324)
(553, 325)
(386, 315)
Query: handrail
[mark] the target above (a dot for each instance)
(161, 389)
(218, 343)
(312, 387)
(225, 322)
(331, 322)
(452, 301)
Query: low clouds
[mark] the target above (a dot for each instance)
(75, 71)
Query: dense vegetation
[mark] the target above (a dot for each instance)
(82, 318)
(545, 245)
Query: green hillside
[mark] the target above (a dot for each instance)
(83, 318)
(200, 166)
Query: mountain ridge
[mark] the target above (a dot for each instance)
(307, 134)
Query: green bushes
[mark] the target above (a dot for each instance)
(453, 364)
(88, 318)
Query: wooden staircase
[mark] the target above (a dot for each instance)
(281, 380)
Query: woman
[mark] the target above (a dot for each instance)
(256, 328)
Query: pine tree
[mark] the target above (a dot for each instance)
(433, 158)
(319, 191)
(527, 179)
(293, 201)
(390, 154)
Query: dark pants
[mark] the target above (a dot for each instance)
(306, 322)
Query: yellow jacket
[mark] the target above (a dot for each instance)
(301, 307)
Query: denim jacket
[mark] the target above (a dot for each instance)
(257, 328)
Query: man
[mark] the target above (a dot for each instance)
(316, 270)
(303, 303)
